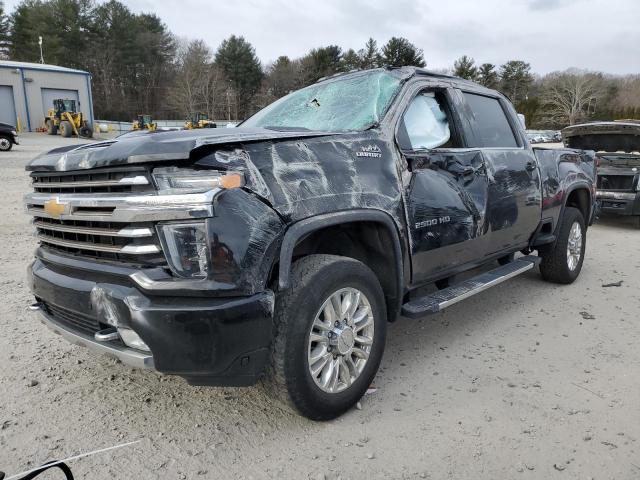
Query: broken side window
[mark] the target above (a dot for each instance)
(426, 122)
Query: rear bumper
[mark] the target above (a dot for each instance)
(208, 341)
(619, 203)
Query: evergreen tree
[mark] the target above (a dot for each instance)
(62, 24)
(370, 55)
(515, 79)
(350, 60)
(487, 75)
(399, 52)
(321, 62)
(465, 67)
(238, 60)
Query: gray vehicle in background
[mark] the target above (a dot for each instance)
(618, 147)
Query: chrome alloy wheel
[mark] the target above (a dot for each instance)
(340, 340)
(574, 246)
(5, 143)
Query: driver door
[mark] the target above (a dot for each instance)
(447, 188)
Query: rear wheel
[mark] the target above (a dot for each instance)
(65, 129)
(330, 329)
(5, 143)
(51, 128)
(86, 132)
(562, 260)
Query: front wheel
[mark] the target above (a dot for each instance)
(65, 129)
(330, 330)
(562, 260)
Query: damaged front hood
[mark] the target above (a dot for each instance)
(618, 136)
(154, 147)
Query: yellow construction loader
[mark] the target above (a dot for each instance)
(144, 122)
(64, 117)
(201, 120)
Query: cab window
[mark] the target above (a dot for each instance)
(490, 124)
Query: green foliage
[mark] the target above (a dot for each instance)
(487, 75)
(61, 23)
(350, 60)
(400, 52)
(515, 80)
(370, 55)
(465, 67)
(238, 60)
(321, 62)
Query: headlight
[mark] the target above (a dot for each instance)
(183, 180)
(186, 248)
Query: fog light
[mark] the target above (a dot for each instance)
(186, 249)
(131, 339)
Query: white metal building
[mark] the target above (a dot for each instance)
(27, 91)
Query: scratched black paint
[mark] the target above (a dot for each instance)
(452, 208)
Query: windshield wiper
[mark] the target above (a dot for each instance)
(286, 129)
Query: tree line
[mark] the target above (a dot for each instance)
(139, 66)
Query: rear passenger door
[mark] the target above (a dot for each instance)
(514, 201)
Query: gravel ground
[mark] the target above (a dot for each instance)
(527, 380)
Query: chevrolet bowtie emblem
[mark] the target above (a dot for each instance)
(54, 208)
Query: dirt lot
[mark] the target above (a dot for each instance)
(527, 380)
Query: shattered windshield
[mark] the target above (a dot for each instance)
(355, 102)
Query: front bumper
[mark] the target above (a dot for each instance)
(619, 203)
(208, 341)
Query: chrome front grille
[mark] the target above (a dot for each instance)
(106, 224)
(130, 243)
(93, 181)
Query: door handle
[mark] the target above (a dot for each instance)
(531, 165)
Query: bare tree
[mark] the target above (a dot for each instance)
(191, 91)
(571, 97)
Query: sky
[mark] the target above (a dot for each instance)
(602, 35)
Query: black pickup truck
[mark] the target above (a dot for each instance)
(281, 248)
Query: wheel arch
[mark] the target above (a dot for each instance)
(297, 233)
(579, 196)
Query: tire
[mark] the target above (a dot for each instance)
(315, 280)
(65, 129)
(6, 143)
(51, 128)
(86, 132)
(558, 265)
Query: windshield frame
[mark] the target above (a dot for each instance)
(397, 73)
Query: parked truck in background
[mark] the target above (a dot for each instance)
(618, 147)
(282, 248)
